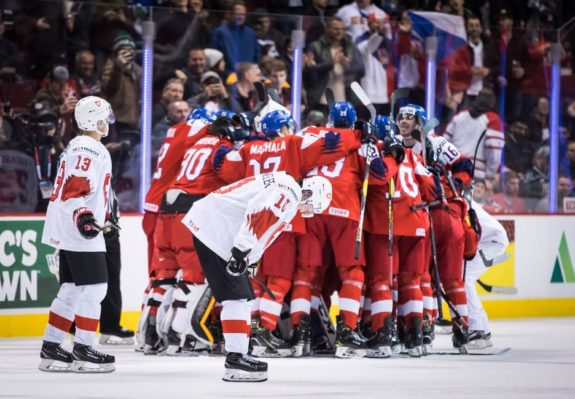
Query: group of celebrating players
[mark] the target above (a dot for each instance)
(416, 221)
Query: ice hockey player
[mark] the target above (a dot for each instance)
(491, 245)
(76, 212)
(335, 231)
(174, 243)
(411, 184)
(232, 227)
(454, 235)
(277, 148)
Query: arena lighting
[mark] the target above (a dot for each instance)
(431, 51)
(298, 41)
(554, 126)
(148, 34)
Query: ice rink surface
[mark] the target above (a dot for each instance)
(541, 364)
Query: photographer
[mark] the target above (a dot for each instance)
(214, 95)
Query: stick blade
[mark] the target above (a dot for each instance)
(430, 125)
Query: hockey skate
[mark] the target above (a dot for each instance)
(395, 339)
(479, 340)
(460, 340)
(153, 343)
(244, 368)
(428, 334)
(414, 338)
(88, 360)
(119, 336)
(174, 343)
(193, 347)
(301, 340)
(265, 344)
(54, 358)
(348, 343)
(379, 346)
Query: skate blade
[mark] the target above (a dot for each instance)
(347, 353)
(263, 351)
(114, 340)
(300, 351)
(54, 366)
(235, 375)
(87, 367)
(379, 352)
(415, 352)
(463, 350)
(477, 344)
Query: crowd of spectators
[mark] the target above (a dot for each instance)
(209, 54)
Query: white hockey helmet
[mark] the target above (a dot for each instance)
(316, 195)
(94, 114)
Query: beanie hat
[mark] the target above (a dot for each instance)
(213, 56)
(123, 39)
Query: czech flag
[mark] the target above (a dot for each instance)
(449, 30)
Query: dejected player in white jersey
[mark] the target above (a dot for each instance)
(74, 219)
(232, 227)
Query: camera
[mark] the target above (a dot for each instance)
(33, 126)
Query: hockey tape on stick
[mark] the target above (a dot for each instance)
(496, 289)
(360, 94)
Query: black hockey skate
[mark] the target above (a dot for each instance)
(460, 338)
(395, 339)
(428, 334)
(153, 343)
(301, 340)
(414, 338)
(380, 344)
(348, 343)
(54, 358)
(265, 344)
(117, 336)
(88, 360)
(174, 339)
(244, 368)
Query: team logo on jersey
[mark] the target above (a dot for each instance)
(563, 268)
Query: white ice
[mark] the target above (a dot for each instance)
(541, 364)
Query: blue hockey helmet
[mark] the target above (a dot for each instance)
(272, 122)
(201, 114)
(342, 114)
(412, 111)
(224, 113)
(383, 126)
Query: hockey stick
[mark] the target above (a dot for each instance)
(397, 95)
(329, 97)
(497, 289)
(495, 261)
(273, 93)
(262, 97)
(360, 94)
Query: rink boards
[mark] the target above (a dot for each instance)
(541, 266)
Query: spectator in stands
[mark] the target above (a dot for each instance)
(121, 81)
(412, 61)
(78, 21)
(173, 91)
(512, 42)
(483, 61)
(564, 190)
(242, 92)
(334, 62)
(538, 123)
(315, 118)
(236, 40)
(191, 74)
(86, 80)
(315, 14)
(177, 112)
(518, 152)
(269, 38)
(5, 128)
(467, 127)
(483, 194)
(377, 57)
(456, 7)
(571, 157)
(214, 95)
(508, 201)
(8, 54)
(216, 62)
(278, 79)
(532, 186)
(355, 17)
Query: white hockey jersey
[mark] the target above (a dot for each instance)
(83, 180)
(248, 214)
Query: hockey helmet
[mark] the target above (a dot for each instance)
(94, 114)
(201, 114)
(272, 123)
(342, 115)
(224, 113)
(316, 196)
(413, 111)
(383, 126)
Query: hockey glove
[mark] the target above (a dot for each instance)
(367, 131)
(237, 265)
(392, 146)
(86, 223)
